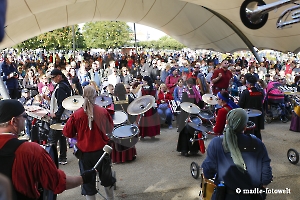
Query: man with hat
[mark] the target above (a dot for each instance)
(27, 164)
(238, 160)
(252, 98)
(58, 113)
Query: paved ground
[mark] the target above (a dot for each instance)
(159, 172)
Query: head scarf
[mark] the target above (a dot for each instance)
(89, 95)
(229, 102)
(236, 122)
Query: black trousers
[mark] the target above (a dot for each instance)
(57, 136)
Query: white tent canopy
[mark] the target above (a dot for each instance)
(188, 21)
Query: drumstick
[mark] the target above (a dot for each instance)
(107, 149)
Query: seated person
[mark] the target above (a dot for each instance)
(164, 109)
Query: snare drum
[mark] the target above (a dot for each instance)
(119, 117)
(125, 136)
(250, 127)
(207, 188)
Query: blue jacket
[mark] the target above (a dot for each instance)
(220, 164)
(11, 83)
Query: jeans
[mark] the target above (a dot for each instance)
(166, 113)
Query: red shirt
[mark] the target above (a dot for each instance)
(89, 140)
(34, 165)
(164, 96)
(221, 120)
(223, 83)
(171, 82)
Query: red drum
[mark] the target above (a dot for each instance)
(250, 127)
(125, 136)
(201, 143)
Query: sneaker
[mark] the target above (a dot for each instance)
(63, 161)
(170, 127)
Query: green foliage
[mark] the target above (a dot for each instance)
(57, 39)
(108, 34)
(164, 42)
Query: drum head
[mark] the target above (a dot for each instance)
(195, 120)
(125, 131)
(206, 115)
(119, 117)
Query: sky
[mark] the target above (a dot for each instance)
(146, 32)
(143, 33)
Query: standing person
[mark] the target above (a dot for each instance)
(149, 124)
(253, 98)
(90, 124)
(58, 113)
(28, 164)
(239, 160)
(120, 94)
(295, 120)
(172, 79)
(10, 76)
(221, 78)
(192, 94)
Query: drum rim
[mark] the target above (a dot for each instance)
(121, 125)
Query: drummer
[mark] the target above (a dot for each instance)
(253, 98)
(90, 124)
(120, 94)
(58, 114)
(184, 146)
(226, 105)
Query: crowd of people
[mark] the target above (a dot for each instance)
(170, 78)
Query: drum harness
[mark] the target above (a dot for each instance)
(7, 155)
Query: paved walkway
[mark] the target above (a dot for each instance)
(160, 173)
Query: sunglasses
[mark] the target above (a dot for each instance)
(127, 88)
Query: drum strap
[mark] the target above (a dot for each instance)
(7, 157)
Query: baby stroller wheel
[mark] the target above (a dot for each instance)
(194, 170)
(293, 156)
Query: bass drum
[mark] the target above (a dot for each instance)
(125, 136)
(47, 194)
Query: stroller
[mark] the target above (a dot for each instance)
(277, 104)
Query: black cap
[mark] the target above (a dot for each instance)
(10, 108)
(56, 72)
(251, 79)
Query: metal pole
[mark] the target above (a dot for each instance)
(135, 38)
(74, 45)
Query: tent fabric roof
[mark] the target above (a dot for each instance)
(188, 21)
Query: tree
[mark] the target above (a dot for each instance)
(106, 34)
(164, 42)
(57, 39)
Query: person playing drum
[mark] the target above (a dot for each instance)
(252, 98)
(184, 145)
(28, 164)
(238, 160)
(90, 124)
(129, 154)
(226, 105)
